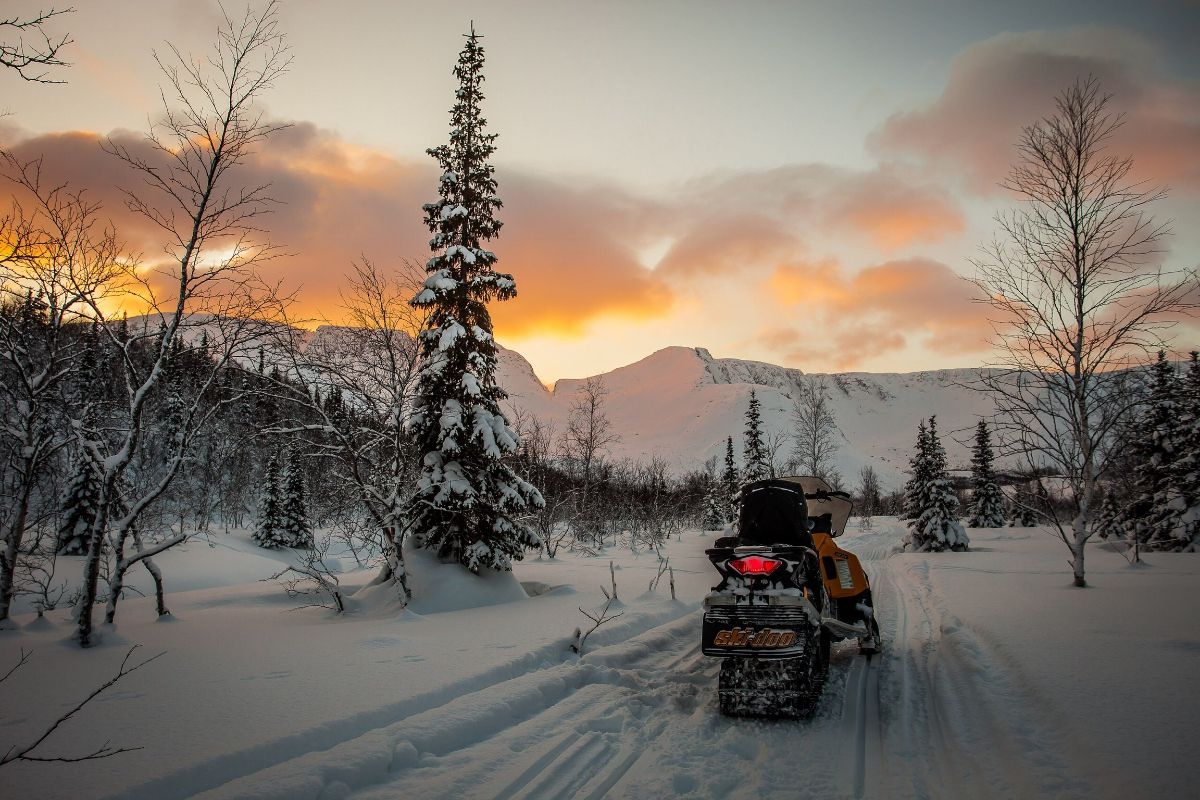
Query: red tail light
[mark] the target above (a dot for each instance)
(755, 565)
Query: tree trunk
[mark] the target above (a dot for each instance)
(8, 560)
(91, 570)
(156, 573)
(1077, 545)
(116, 583)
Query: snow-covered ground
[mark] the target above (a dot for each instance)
(998, 679)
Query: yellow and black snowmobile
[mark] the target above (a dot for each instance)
(787, 592)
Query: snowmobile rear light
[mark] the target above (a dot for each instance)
(755, 565)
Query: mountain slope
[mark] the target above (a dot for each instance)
(680, 403)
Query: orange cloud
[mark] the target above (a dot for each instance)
(739, 219)
(726, 244)
(894, 212)
(1002, 84)
(566, 248)
(881, 309)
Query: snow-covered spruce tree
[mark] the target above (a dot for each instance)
(1157, 505)
(936, 528)
(1110, 522)
(918, 467)
(268, 529)
(1022, 514)
(729, 479)
(987, 501)
(1187, 465)
(293, 507)
(469, 500)
(78, 508)
(756, 465)
(716, 508)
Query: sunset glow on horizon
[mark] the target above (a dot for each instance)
(791, 183)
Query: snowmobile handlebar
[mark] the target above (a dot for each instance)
(830, 495)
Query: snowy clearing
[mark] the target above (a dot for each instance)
(997, 679)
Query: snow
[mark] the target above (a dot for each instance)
(680, 403)
(466, 253)
(438, 588)
(450, 334)
(997, 678)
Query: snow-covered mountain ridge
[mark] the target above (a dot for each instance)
(680, 403)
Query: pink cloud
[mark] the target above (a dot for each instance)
(1004, 83)
(883, 308)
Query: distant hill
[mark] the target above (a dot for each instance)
(680, 403)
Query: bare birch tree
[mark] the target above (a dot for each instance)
(370, 366)
(815, 430)
(1077, 296)
(588, 435)
(210, 125)
(58, 260)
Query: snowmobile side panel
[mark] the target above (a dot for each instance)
(840, 569)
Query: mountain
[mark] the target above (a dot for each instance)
(680, 403)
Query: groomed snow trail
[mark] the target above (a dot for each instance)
(936, 714)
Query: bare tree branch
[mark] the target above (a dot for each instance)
(25, 753)
(34, 50)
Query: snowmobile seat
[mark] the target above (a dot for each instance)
(774, 512)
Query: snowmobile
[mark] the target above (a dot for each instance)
(787, 592)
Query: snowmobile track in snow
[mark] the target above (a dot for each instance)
(937, 713)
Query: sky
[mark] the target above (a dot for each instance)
(799, 183)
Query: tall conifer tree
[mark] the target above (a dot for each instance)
(754, 452)
(729, 479)
(469, 501)
(268, 528)
(1152, 516)
(293, 505)
(987, 501)
(918, 465)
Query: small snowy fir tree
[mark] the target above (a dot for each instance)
(729, 479)
(936, 528)
(987, 501)
(469, 501)
(293, 507)
(1110, 521)
(268, 529)
(754, 452)
(1022, 514)
(78, 508)
(918, 468)
(715, 507)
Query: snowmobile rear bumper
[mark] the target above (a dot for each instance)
(762, 631)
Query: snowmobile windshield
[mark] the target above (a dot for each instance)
(773, 514)
(829, 512)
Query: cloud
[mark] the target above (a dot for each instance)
(998, 86)
(739, 222)
(567, 247)
(728, 244)
(881, 309)
(892, 211)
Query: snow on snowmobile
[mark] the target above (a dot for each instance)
(787, 592)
